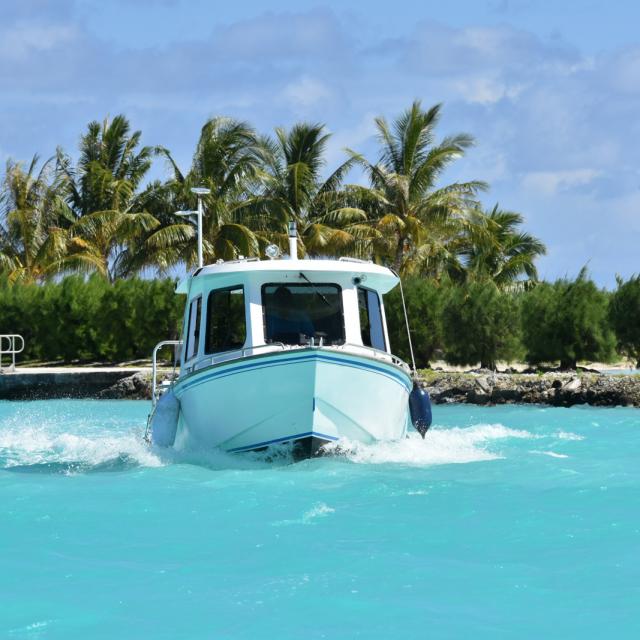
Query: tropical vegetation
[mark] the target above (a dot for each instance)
(480, 325)
(474, 323)
(567, 320)
(98, 215)
(90, 319)
(624, 314)
(83, 235)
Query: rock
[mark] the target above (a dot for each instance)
(483, 385)
(135, 387)
(553, 388)
(573, 385)
(478, 397)
(509, 394)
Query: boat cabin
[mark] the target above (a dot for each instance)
(248, 307)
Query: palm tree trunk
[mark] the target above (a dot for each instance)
(397, 261)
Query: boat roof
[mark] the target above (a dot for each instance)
(378, 277)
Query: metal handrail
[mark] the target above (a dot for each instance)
(11, 339)
(154, 365)
(357, 260)
(379, 353)
(238, 354)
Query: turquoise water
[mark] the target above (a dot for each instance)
(506, 522)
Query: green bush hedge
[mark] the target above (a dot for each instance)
(424, 304)
(624, 314)
(92, 320)
(564, 321)
(481, 324)
(78, 319)
(567, 321)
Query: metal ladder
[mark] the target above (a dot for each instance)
(155, 391)
(8, 347)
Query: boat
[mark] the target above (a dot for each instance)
(286, 351)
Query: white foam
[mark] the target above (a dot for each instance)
(565, 435)
(28, 629)
(551, 454)
(29, 446)
(319, 510)
(82, 445)
(441, 446)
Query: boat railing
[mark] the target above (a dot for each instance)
(154, 366)
(358, 260)
(8, 347)
(377, 353)
(238, 354)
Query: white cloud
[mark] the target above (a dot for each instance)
(554, 127)
(306, 92)
(279, 36)
(353, 137)
(625, 68)
(19, 41)
(551, 182)
(485, 90)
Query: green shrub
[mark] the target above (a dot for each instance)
(567, 321)
(90, 319)
(480, 324)
(424, 308)
(29, 311)
(624, 314)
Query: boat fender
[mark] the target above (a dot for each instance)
(164, 422)
(420, 409)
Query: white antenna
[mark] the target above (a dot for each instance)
(199, 191)
(406, 320)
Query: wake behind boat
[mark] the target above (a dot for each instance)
(287, 351)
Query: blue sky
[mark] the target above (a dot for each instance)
(550, 90)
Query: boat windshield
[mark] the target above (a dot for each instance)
(295, 313)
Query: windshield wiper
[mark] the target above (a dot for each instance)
(318, 293)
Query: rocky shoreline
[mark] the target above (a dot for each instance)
(560, 389)
(553, 388)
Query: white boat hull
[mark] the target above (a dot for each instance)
(317, 395)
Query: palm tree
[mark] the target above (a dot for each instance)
(412, 219)
(33, 242)
(103, 192)
(495, 249)
(225, 161)
(110, 169)
(293, 190)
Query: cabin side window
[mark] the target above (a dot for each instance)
(226, 321)
(371, 327)
(193, 332)
(297, 313)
